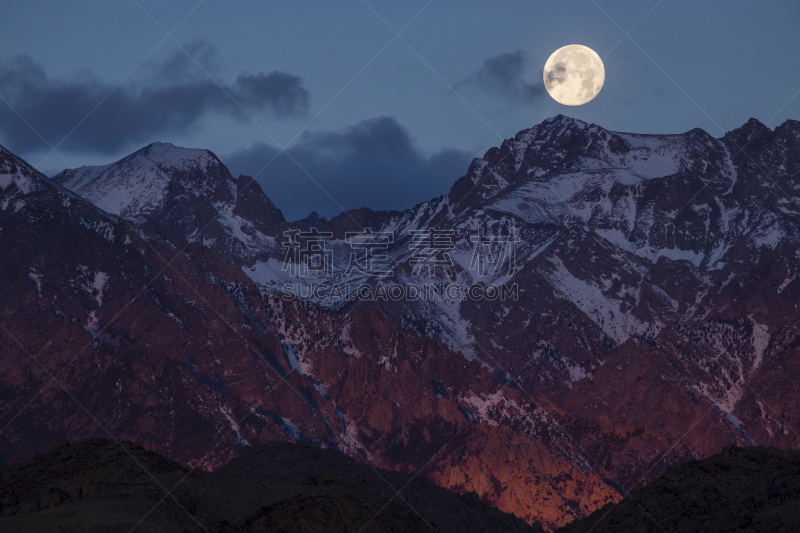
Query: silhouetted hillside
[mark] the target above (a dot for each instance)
(98, 485)
(742, 489)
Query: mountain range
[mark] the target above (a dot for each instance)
(583, 309)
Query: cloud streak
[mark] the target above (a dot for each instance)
(371, 164)
(503, 75)
(556, 75)
(174, 97)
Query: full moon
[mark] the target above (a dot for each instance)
(574, 74)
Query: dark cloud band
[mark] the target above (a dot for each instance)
(374, 163)
(175, 95)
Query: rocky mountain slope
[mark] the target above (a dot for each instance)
(110, 328)
(654, 319)
(101, 485)
(185, 195)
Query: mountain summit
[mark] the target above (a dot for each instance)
(651, 313)
(186, 195)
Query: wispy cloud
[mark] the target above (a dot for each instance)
(503, 75)
(174, 95)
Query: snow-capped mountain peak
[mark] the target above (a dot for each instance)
(140, 184)
(652, 275)
(185, 194)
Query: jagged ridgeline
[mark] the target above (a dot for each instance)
(655, 311)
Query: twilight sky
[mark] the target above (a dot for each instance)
(373, 119)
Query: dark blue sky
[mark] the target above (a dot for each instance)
(372, 117)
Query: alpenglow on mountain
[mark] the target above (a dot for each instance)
(653, 318)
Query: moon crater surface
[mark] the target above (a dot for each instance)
(574, 74)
